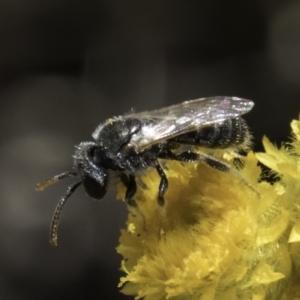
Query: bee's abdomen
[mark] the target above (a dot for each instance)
(230, 133)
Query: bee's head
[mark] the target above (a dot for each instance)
(89, 161)
(91, 166)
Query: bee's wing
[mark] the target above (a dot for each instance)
(176, 120)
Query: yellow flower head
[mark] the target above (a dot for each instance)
(215, 239)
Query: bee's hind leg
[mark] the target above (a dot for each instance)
(189, 156)
(215, 163)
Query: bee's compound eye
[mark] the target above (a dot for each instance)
(93, 188)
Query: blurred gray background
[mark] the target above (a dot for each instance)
(65, 66)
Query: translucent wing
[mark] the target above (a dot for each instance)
(188, 116)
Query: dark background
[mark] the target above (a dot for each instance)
(66, 66)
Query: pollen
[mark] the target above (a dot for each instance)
(214, 238)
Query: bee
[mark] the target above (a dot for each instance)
(127, 145)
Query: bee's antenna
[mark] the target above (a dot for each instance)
(45, 183)
(58, 210)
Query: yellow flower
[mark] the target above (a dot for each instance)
(215, 239)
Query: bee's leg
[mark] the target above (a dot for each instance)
(189, 156)
(163, 186)
(130, 184)
(215, 163)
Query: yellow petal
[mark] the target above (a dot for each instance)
(264, 274)
(295, 233)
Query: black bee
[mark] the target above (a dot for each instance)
(127, 145)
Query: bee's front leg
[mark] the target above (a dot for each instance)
(130, 184)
